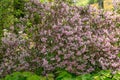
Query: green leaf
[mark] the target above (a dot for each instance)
(106, 73)
(118, 55)
(43, 78)
(84, 77)
(27, 74)
(117, 76)
(66, 78)
(50, 77)
(15, 76)
(33, 77)
(96, 77)
(63, 74)
(8, 77)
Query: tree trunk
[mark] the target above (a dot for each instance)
(101, 4)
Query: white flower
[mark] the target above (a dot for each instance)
(5, 30)
(20, 32)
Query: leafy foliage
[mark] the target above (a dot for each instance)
(27, 76)
(19, 8)
(22, 76)
(6, 17)
(64, 75)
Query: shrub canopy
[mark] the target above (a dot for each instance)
(56, 35)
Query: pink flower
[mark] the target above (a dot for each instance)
(43, 39)
(45, 62)
(78, 53)
(114, 64)
(43, 49)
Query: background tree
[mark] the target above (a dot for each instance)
(6, 15)
(93, 1)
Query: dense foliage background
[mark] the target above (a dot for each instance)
(53, 35)
(64, 75)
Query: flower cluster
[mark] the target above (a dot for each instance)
(77, 39)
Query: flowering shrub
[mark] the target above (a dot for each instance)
(57, 35)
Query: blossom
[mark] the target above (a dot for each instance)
(45, 62)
